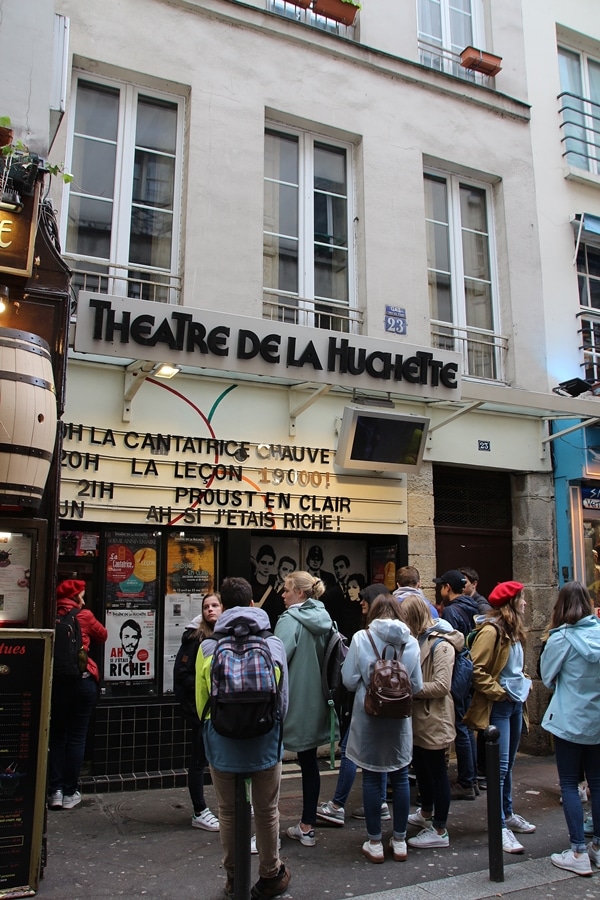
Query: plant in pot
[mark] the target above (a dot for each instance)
(19, 166)
(343, 11)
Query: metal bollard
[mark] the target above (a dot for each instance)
(242, 835)
(494, 803)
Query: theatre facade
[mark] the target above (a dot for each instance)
(275, 447)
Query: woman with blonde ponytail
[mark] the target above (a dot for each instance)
(304, 629)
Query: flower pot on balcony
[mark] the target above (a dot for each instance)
(480, 61)
(6, 137)
(340, 11)
(303, 3)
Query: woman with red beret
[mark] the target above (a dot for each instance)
(74, 698)
(500, 689)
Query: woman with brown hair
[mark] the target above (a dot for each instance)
(500, 689)
(433, 720)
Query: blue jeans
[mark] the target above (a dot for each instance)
(507, 716)
(570, 758)
(372, 788)
(196, 769)
(347, 774)
(465, 746)
(73, 702)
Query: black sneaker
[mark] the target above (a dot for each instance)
(271, 887)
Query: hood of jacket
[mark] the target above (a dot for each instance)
(408, 591)
(469, 604)
(194, 624)
(313, 615)
(66, 605)
(583, 636)
(441, 628)
(391, 631)
(257, 619)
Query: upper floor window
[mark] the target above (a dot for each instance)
(461, 273)
(122, 216)
(588, 277)
(580, 109)
(307, 248)
(446, 27)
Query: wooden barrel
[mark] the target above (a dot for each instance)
(27, 418)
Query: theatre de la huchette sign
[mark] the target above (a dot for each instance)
(124, 328)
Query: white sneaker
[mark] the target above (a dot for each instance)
(417, 818)
(385, 812)
(55, 800)
(429, 838)
(519, 824)
(398, 848)
(254, 849)
(581, 865)
(594, 854)
(205, 820)
(306, 838)
(373, 852)
(71, 800)
(588, 825)
(509, 842)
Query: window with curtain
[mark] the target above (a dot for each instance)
(122, 222)
(460, 270)
(307, 248)
(580, 108)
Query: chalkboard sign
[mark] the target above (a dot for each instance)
(25, 670)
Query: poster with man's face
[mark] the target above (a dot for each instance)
(129, 650)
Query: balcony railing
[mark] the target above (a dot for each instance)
(580, 131)
(483, 352)
(443, 60)
(292, 11)
(328, 314)
(138, 282)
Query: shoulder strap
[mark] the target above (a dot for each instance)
(467, 619)
(373, 645)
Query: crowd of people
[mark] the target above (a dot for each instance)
(427, 639)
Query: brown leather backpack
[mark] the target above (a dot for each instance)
(389, 692)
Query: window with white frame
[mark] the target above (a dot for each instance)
(580, 108)
(446, 27)
(588, 277)
(307, 247)
(122, 217)
(461, 274)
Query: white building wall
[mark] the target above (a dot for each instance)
(559, 197)
(236, 65)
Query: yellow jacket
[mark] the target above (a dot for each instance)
(489, 652)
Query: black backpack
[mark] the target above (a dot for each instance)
(69, 656)
(339, 699)
(184, 675)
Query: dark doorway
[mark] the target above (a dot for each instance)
(473, 523)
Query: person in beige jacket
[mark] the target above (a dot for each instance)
(433, 720)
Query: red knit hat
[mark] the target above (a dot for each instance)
(68, 590)
(504, 592)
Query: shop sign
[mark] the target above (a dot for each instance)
(590, 498)
(136, 329)
(17, 237)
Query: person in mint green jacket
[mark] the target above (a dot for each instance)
(304, 630)
(570, 667)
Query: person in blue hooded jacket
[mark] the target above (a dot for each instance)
(570, 667)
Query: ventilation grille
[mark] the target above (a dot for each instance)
(471, 498)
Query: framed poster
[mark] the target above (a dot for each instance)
(190, 564)
(129, 652)
(25, 675)
(15, 577)
(131, 561)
